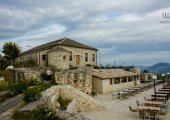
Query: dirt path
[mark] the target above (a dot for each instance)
(7, 107)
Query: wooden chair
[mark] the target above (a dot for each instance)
(138, 104)
(132, 110)
(154, 115)
(115, 95)
(146, 99)
(141, 114)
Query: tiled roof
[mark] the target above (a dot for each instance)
(58, 49)
(112, 73)
(63, 42)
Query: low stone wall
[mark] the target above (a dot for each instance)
(80, 78)
(21, 74)
(82, 101)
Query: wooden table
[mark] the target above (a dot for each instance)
(153, 103)
(160, 95)
(148, 108)
(130, 91)
(122, 94)
(168, 90)
(136, 89)
(162, 92)
(163, 99)
(165, 88)
(168, 87)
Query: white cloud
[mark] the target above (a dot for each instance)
(117, 22)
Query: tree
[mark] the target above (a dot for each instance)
(146, 71)
(11, 51)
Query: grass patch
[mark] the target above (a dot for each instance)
(63, 103)
(8, 75)
(3, 85)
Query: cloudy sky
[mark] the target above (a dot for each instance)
(130, 31)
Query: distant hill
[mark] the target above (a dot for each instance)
(142, 67)
(159, 67)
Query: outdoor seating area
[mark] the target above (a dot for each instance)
(155, 106)
(127, 109)
(125, 93)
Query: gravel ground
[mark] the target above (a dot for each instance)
(117, 109)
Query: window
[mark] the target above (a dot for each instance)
(70, 56)
(111, 82)
(93, 58)
(86, 57)
(124, 79)
(64, 57)
(116, 81)
(130, 79)
(44, 57)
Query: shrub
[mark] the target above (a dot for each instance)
(3, 85)
(18, 88)
(96, 67)
(32, 94)
(22, 115)
(63, 103)
(42, 112)
(46, 86)
(88, 65)
(8, 75)
(43, 75)
(34, 82)
(93, 93)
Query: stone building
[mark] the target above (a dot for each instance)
(109, 80)
(61, 54)
(146, 77)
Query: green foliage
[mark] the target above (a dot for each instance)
(11, 50)
(46, 86)
(18, 87)
(42, 112)
(145, 71)
(63, 103)
(32, 94)
(3, 63)
(43, 75)
(8, 75)
(93, 93)
(3, 85)
(26, 63)
(88, 65)
(96, 67)
(23, 116)
(34, 82)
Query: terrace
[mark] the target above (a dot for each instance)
(117, 109)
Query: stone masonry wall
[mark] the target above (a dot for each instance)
(82, 101)
(80, 78)
(26, 74)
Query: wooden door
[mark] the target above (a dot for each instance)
(77, 59)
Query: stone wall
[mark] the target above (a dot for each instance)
(55, 59)
(80, 78)
(104, 85)
(21, 74)
(81, 52)
(82, 101)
